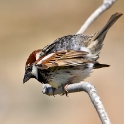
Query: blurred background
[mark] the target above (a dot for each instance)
(27, 25)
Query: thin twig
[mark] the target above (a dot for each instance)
(106, 5)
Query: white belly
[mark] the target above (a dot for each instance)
(74, 75)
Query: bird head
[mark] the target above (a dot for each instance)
(30, 68)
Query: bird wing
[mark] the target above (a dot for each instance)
(69, 42)
(63, 58)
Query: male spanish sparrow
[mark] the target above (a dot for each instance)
(69, 59)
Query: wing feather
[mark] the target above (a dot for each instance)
(63, 58)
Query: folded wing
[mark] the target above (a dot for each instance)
(63, 58)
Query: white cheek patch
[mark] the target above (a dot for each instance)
(34, 71)
(45, 58)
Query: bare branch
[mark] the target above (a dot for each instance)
(106, 5)
(88, 88)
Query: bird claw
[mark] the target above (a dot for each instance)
(65, 89)
(66, 86)
(53, 90)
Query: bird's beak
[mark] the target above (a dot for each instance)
(27, 76)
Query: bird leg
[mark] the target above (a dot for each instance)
(53, 90)
(65, 89)
(66, 86)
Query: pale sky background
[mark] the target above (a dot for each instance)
(26, 25)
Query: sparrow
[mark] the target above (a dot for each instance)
(69, 59)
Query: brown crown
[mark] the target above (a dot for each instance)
(32, 58)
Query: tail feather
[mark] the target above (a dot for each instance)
(98, 65)
(110, 22)
(95, 44)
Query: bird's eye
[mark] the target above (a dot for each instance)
(29, 68)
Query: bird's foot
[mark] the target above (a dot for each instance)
(53, 91)
(66, 86)
(65, 89)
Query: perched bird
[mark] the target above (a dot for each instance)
(69, 59)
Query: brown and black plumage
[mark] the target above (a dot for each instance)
(69, 59)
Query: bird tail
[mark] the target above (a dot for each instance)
(98, 65)
(96, 43)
